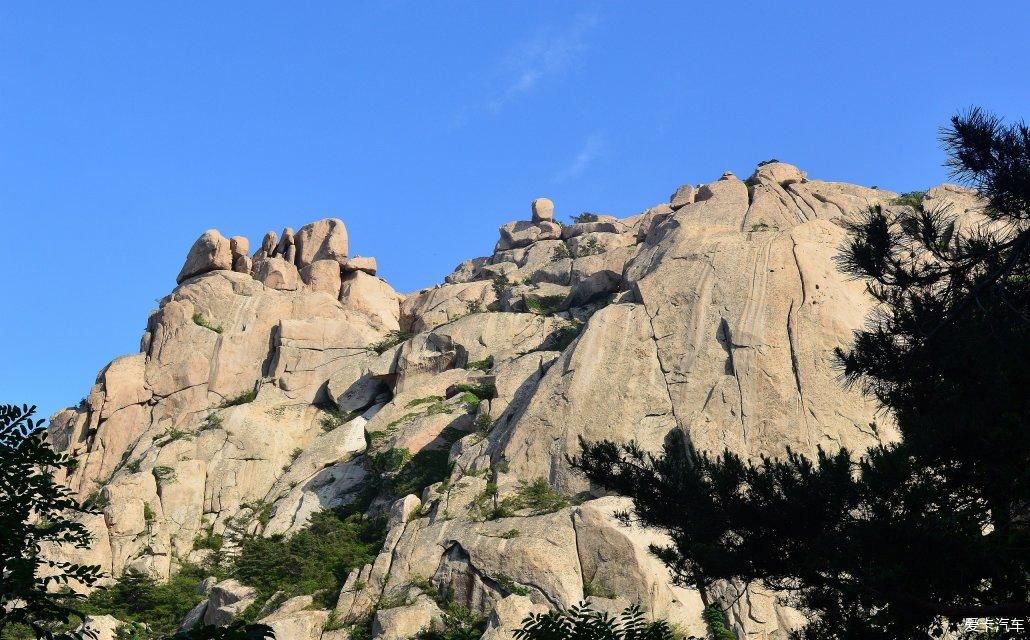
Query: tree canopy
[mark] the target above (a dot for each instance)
(896, 541)
(35, 514)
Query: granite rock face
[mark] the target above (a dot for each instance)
(714, 315)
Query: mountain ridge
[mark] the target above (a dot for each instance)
(272, 385)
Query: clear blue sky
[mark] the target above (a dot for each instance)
(126, 129)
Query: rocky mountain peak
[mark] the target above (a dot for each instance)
(274, 385)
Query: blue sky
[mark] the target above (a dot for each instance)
(126, 129)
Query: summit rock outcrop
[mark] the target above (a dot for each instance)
(266, 385)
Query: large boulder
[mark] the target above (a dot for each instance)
(322, 240)
(227, 600)
(543, 210)
(278, 273)
(373, 297)
(210, 252)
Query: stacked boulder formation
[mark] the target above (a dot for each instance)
(266, 382)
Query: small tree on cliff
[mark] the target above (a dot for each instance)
(34, 510)
(936, 526)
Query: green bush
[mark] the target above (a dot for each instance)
(199, 320)
(244, 398)
(716, 621)
(561, 252)
(586, 216)
(138, 598)
(481, 365)
(391, 340)
(912, 199)
(591, 247)
(544, 305)
(562, 337)
(483, 391)
(316, 558)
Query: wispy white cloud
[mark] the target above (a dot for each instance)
(547, 54)
(592, 149)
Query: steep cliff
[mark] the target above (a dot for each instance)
(274, 385)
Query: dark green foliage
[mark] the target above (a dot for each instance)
(586, 216)
(459, 622)
(562, 337)
(168, 436)
(244, 398)
(582, 623)
(391, 340)
(138, 598)
(918, 534)
(591, 247)
(35, 511)
(481, 365)
(912, 199)
(474, 306)
(483, 391)
(544, 305)
(500, 284)
(769, 161)
(561, 252)
(315, 558)
(716, 621)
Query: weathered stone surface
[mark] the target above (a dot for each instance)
(210, 252)
(717, 320)
(100, 627)
(406, 621)
(239, 246)
(779, 173)
(372, 297)
(361, 263)
(683, 196)
(508, 615)
(227, 600)
(322, 240)
(324, 276)
(278, 273)
(294, 621)
(543, 210)
(521, 234)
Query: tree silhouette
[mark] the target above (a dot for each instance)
(34, 512)
(912, 535)
(581, 622)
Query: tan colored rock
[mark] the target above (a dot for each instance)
(508, 615)
(578, 393)
(322, 240)
(124, 384)
(433, 307)
(242, 264)
(293, 620)
(779, 173)
(227, 600)
(683, 196)
(361, 263)
(521, 234)
(406, 621)
(372, 297)
(593, 243)
(100, 627)
(268, 245)
(324, 276)
(239, 246)
(278, 273)
(210, 252)
(543, 210)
